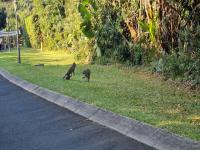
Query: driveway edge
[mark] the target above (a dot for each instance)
(155, 137)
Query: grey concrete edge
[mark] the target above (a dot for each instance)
(141, 132)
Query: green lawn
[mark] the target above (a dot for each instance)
(136, 94)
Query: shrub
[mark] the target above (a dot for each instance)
(183, 66)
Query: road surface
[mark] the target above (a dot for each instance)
(28, 122)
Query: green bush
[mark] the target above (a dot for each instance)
(182, 67)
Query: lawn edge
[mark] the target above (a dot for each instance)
(155, 137)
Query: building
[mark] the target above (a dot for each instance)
(7, 39)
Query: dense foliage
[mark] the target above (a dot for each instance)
(140, 32)
(164, 33)
(8, 18)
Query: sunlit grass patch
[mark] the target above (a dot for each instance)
(136, 94)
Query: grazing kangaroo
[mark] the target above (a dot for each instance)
(69, 73)
(87, 74)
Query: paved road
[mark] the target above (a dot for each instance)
(28, 122)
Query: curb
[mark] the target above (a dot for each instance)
(141, 132)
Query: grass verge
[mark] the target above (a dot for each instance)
(136, 94)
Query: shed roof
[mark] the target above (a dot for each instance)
(8, 33)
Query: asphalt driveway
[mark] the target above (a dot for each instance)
(28, 122)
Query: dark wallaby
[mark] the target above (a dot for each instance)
(87, 74)
(69, 73)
